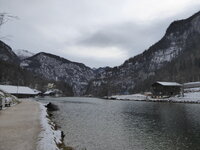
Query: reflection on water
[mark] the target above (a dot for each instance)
(97, 124)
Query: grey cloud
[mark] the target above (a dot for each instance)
(129, 36)
(53, 26)
(134, 37)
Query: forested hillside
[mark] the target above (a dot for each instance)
(11, 73)
(174, 58)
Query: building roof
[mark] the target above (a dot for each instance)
(192, 84)
(49, 92)
(168, 83)
(17, 89)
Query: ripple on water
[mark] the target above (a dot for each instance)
(97, 124)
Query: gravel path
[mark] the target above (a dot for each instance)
(20, 126)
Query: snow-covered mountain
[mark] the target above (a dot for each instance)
(181, 36)
(23, 54)
(59, 69)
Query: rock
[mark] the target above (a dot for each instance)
(52, 107)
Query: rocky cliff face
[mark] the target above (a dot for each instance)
(59, 69)
(6, 54)
(180, 37)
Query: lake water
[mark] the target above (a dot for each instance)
(97, 124)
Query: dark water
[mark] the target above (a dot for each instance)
(96, 124)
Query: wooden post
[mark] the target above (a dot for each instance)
(182, 90)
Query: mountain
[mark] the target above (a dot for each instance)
(6, 53)
(11, 73)
(38, 70)
(23, 54)
(56, 68)
(179, 47)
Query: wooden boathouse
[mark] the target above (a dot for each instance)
(166, 89)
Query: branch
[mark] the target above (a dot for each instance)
(5, 17)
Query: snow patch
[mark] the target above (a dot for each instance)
(23, 54)
(129, 97)
(7, 100)
(48, 137)
(189, 97)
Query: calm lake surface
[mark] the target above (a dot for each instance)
(97, 124)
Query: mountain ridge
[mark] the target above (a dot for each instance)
(60, 69)
(179, 37)
(12, 74)
(6, 53)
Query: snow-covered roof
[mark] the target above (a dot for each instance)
(17, 89)
(192, 84)
(169, 83)
(36, 91)
(48, 92)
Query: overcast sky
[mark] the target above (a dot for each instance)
(97, 33)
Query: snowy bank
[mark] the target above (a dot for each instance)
(7, 100)
(128, 97)
(49, 138)
(192, 96)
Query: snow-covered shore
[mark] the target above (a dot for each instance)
(140, 97)
(192, 96)
(49, 138)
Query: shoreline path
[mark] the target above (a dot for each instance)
(20, 126)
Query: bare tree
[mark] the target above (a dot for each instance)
(5, 17)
